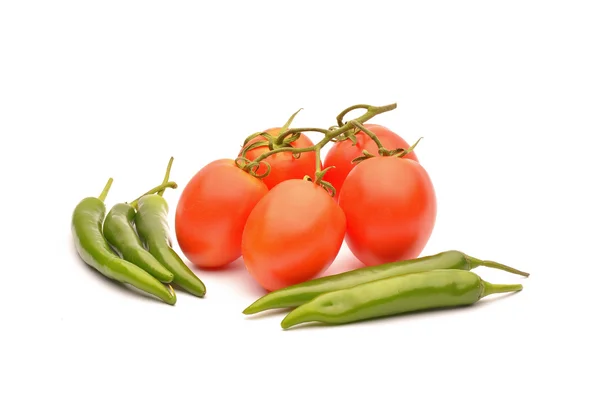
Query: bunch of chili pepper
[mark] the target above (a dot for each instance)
(442, 280)
(132, 243)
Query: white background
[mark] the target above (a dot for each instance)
(506, 96)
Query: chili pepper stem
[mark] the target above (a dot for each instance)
(494, 288)
(104, 193)
(167, 174)
(493, 264)
(156, 189)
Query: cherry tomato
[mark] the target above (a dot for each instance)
(284, 165)
(212, 211)
(294, 233)
(342, 153)
(390, 207)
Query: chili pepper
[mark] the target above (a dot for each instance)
(299, 294)
(94, 250)
(119, 231)
(397, 295)
(151, 221)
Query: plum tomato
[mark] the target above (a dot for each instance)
(342, 153)
(284, 165)
(212, 211)
(293, 234)
(390, 207)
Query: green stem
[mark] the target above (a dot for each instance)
(329, 134)
(280, 138)
(317, 162)
(285, 134)
(382, 150)
(406, 151)
(493, 264)
(157, 189)
(494, 288)
(292, 150)
(256, 134)
(167, 174)
(104, 193)
(340, 117)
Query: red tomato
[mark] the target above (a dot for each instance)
(294, 233)
(284, 165)
(390, 207)
(212, 211)
(342, 153)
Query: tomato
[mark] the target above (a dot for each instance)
(284, 165)
(294, 233)
(390, 207)
(342, 153)
(212, 211)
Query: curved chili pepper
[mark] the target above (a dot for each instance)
(94, 250)
(119, 231)
(396, 295)
(151, 221)
(299, 294)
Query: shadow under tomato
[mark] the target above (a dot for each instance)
(410, 315)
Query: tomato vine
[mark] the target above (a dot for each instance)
(343, 131)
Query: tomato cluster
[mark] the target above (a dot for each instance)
(287, 214)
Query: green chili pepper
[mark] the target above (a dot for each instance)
(299, 294)
(151, 221)
(119, 231)
(94, 250)
(396, 295)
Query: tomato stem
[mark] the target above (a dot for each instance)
(382, 150)
(254, 145)
(280, 137)
(249, 138)
(329, 134)
(286, 136)
(403, 152)
(340, 117)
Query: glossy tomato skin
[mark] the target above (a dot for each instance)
(293, 234)
(212, 211)
(342, 153)
(390, 207)
(283, 165)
